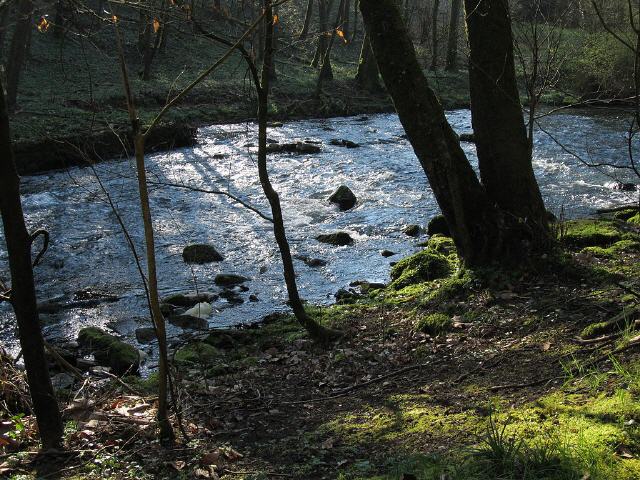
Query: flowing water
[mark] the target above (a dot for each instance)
(88, 249)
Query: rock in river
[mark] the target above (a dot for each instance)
(109, 351)
(337, 238)
(343, 197)
(412, 230)
(201, 253)
(188, 322)
(229, 279)
(438, 224)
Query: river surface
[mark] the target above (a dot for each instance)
(88, 249)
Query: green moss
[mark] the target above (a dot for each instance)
(441, 244)
(197, 353)
(579, 234)
(108, 350)
(434, 324)
(614, 250)
(626, 214)
(635, 219)
(421, 267)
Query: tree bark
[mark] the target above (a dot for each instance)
(23, 294)
(307, 21)
(18, 51)
(434, 34)
(498, 123)
(326, 71)
(317, 331)
(469, 214)
(4, 23)
(452, 43)
(323, 22)
(368, 74)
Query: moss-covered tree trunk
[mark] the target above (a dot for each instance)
(501, 139)
(368, 73)
(18, 51)
(452, 43)
(470, 216)
(23, 293)
(484, 231)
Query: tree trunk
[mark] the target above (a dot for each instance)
(367, 77)
(23, 294)
(484, 231)
(346, 15)
(326, 72)
(18, 51)
(323, 23)
(470, 217)
(4, 23)
(316, 330)
(452, 44)
(355, 19)
(167, 437)
(501, 139)
(434, 34)
(307, 21)
(58, 23)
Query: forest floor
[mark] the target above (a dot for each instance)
(528, 374)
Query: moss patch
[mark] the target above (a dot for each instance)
(421, 267)
(108, 350)
(590, 233)
(434, 324)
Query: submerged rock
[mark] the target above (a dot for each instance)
(467, 137)
(344, 198)
(201, 253)
(438, 225)
(229, 279)
(343, 143)
(109, 351)
(387, 253)
(299, 147)
(337, 238)
(412, 230)
(311, 262)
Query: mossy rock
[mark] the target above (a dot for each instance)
(614, 250)
(109, 351)
(590, 233)
(201, 253)
(421, 267)
(441, 244)
(438, 225)
(197, 353)
(625, 214)
(635, 220)
(338, 239)
(434, 324)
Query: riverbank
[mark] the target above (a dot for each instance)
(470, 375)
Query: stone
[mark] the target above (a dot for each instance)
(343, 143)
(625, 187)
(229, 279)
(438, 225)
(344, 198)
(467, 137)
(387, 253)
(311, 262)
(188, 322)
(337, 238)
(200, 310)
(253, 298)
(188, 299)
(62, 381)
(109, 351)
(201, 253)
(145, 335)
(412, 230)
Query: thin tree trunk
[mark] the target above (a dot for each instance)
(316, 330)
(23, 294)
(452, 44)
(501, 138)
(368, 74)
(470, 216)
(434, 35)
(167, 437)
(346, 27)
(326, 72)
(18, 51)
(4, 23)
(355, 19)
(323, 23)
(307, 21)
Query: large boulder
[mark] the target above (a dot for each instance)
(337, 238)
(201, 253)
(438, 225)
(110, 351)
(344, 198)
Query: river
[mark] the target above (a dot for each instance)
(88, 250)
